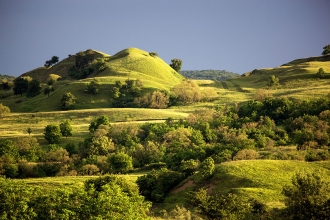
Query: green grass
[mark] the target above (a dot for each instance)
(259, 179)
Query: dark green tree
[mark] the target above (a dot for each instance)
(102, 120)
(66, 128)
(326, 50)
(52, 134)
(51, 62)
(207, 167)
(67, 101)
(20, 86)
(48, 90)
(176, 64)
(34, 88)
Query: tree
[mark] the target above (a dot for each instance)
(176, 64)
(34, 88)
(66, 128)
(21, 85)
(120, 163)
(51, 62)
(29, 130)
(4, 110)
(67, 101)
(187, 92)
(102, 120)
(93, 87)
(320, 73)
(52, 134)
(48, 90)
(326, 50)
(308, 197)
(207, 167)
(274, 81)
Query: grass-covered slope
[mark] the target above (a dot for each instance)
(130, 63)
(259, 179)
(297, 79)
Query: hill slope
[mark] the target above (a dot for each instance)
(219, 75)
(132, 63)
(259, 179)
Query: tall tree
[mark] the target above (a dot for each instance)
(176, 64)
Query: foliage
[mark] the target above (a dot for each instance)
(176, 64)
(102, 120)
(155, 185)
(207, 167)
(48, 90)
(93, 87)
(34, 88)
(187, 92)
(4, 110)
(66, 128)
(227, 206)
(67, 101)
(52, 134)
(326, 50)
(274, 81)
(120, 163)
(320, 73)
(51, 62)
(308, 197)
(156, 99)
(21, 85)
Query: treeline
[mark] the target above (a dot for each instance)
(219, 75)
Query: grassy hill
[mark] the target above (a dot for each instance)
(130, 63)
(297, 79)
(256, 179)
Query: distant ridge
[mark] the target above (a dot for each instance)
(219, 75)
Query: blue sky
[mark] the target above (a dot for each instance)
(232, 35)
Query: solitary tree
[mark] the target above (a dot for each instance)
(176, 64)
(51, 62)
(326, 50)
(274, 81)
(52, 134)
(66, 128)
(4, 110)
(68, 101)
(320, 73)
(48, 90)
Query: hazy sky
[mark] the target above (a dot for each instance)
(232, 35)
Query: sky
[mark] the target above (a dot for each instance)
(231, 35)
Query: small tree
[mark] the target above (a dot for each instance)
(68, 101)
(51, 62)
(320, 73)
(207, 167)
(93, 87)
(52, 134)
(176, 64)
(48, 90)
(29, 130)
(4, 110)
(274, 81)
(66, 128)
(326, 50)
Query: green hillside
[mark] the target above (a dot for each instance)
(132, 64)
(297, 79)
(256, 179)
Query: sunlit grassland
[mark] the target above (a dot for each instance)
(16, 124)
(255, 179)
